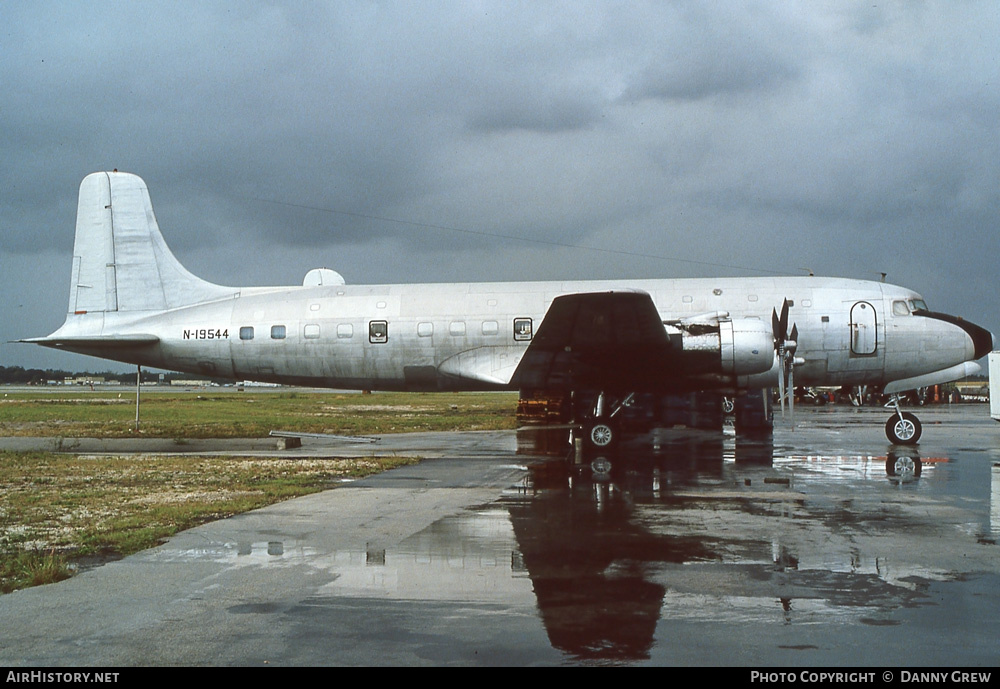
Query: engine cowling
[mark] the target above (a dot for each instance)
(737, 346)
(747, 346)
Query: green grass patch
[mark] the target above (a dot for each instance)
(228, 413)
(57, 509)
(23, 568)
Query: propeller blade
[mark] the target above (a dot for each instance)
(791, 391)
(781, 387)
(784, 347)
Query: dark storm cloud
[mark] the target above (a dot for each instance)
(700, 52)
(413, 141)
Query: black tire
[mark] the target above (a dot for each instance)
(903, 431)
(601, 435)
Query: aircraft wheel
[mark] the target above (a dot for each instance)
(903, 431)
(601, 435)
(902, 466)
(728, 406)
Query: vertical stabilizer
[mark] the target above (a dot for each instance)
(120, 261)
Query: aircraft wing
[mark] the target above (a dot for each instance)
(603, 340)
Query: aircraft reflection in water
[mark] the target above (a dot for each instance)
(614, 560)
(707, 533)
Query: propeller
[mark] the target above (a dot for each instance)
(785, 344)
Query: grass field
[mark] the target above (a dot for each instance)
(231, 414)
(61, 511)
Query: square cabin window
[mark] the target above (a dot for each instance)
(311, 331)
(425, 329)
(246, 332)
(490, 327)
(457, 328)
(345, 331)
(378, 332)
(522, 329)
(277, 332)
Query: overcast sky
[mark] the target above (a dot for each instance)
(417, 141)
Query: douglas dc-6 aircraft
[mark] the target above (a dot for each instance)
(132, 301)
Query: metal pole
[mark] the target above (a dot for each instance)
(138, 378)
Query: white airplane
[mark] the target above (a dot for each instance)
(132, 301)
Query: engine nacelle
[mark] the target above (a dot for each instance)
(747, 346)
(737, 347)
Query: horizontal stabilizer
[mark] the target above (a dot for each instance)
(105, 341)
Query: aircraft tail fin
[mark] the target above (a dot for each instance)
(120, 260)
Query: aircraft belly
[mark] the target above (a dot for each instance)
(208, 359)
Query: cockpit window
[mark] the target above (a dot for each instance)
(918, 305)
(899, 308)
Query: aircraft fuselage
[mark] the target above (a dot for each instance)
(472, 336)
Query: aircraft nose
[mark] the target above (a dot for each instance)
(982, 338)
(983, 341)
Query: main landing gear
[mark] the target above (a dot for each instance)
(609, 428)
(600, 433)
(902, 428)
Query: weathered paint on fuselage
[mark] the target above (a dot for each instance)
(462, 336)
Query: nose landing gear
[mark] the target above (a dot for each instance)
(902, 428)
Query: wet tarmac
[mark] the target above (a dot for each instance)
(826, 547)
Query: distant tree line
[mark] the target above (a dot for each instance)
(17, 375)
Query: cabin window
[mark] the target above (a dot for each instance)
(345, 331)
(246, 332)
(751, 297)
(490, 327)
(311, 331)
(687, 299)
(522, 329)
(378, 332)
(457, 328)
(314, 307)
(899, 308)
(425, 329)
(277, 332)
